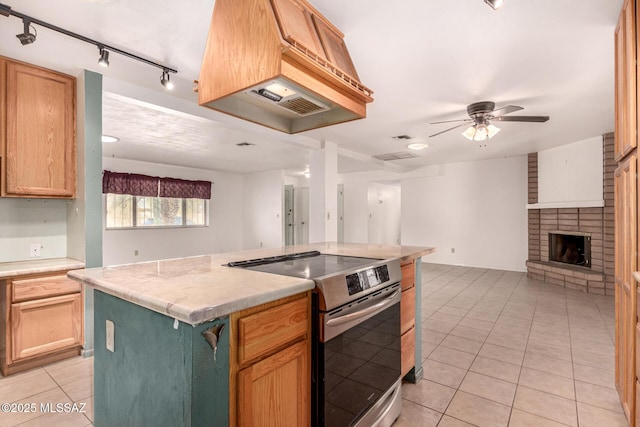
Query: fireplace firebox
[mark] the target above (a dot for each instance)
(570, 248)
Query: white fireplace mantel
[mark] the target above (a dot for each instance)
(560, 205)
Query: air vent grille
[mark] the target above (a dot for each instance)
(405, 137)
(301, 106)
(396, 156)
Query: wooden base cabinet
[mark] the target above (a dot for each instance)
(270, 368)
(43, 318)
(407, 317)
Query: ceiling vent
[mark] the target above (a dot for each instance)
(245, 144)
(289, 69)
(401, 137)
(396, 156)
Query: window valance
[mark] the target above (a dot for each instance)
(154, 186)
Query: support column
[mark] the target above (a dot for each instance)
(323, 194)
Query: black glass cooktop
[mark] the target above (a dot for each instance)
(307, 265)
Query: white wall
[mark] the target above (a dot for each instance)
(571, 173)
(27, 221)
(224, 233)
(478, 208)
(262, 210)
(384, 203)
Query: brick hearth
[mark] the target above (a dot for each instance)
(596, 221)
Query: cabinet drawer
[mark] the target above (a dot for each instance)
(261, 333)
(407, 309)
(407, 348)
(43, 287)
(46, 325)
(408, 275)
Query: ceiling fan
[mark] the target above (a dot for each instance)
(481, 114)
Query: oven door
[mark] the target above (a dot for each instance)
(357, 362)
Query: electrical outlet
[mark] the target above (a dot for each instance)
(36, 250)
(135, 253)
(453, 250)
(111, 332)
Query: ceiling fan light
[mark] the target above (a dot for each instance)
(482, 133)
(495, 4)
(493, 130)
(469, 133)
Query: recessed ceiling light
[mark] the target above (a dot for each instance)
(417, 146)
(109, 138)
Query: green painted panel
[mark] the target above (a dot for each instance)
(158, 375)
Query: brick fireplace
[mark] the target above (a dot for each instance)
(594, 223)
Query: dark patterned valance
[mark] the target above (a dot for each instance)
(153, 186)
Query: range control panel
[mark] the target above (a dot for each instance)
(365, 279)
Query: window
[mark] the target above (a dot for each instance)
(127, 211)
(139, 201)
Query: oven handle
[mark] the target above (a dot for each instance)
(358, 314)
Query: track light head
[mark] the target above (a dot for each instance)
(5, 10)
(104, 57)
(27, 37)
(495, 4)
(165, 80)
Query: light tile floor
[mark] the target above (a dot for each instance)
(33, 396)
(502, 350)
(499, 350)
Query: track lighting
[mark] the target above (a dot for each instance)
(104, 57)
(27, 37)
(495, 4)
(165, 80)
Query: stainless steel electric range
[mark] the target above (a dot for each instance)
(356, 335)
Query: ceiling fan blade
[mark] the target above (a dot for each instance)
(506, 110)
(533, 119)
(450, 121)
(447, 130)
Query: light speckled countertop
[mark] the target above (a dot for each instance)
(21, 268)
(198, 289)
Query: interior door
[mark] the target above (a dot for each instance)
(301, 213)
(289, 224)
(341, 213)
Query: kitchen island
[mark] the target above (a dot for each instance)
(159, 368)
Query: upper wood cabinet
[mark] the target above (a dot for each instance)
(38, 133)
(626, 78)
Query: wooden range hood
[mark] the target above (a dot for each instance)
(281, 64)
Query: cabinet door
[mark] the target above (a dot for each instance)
(296, 25)
(275, 391)
(335, 48)
(42, 326)
(625, 86)
(407, 348)
(625, 264)
(40, 140)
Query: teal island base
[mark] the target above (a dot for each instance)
(162, 372)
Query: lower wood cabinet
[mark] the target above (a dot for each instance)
(43, 321)
(407, 317)
(274, 391)
(270, 368)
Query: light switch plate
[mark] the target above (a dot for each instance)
(110, 336)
